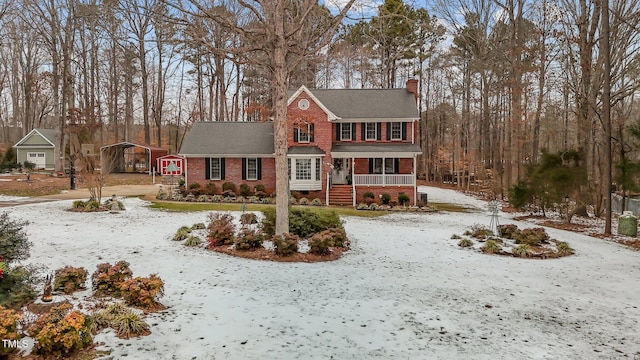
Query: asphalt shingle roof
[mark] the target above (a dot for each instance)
(229, 138)
(368, 103)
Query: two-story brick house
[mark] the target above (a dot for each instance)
(342, 143)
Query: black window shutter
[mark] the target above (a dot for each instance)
(244, 168)
(338, 130)
(353, 131)
(311, 132)
(363, 126)
(221, 168)
(370, 166)
(259, 168)
(207, 168)
(388, 131)
(379, 131)
(403, 126)
(396, 166)
(295, 133)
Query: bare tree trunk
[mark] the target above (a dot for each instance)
(280, 119)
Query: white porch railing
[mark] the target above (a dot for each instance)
(383, 180)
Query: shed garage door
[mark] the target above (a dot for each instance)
(37, 158)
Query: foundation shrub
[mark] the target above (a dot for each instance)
(403, 199)
(316, 202)
(385, 198)
(303, 201)
(69, 279)
(211, 188)
(229, 186)
(245, 190)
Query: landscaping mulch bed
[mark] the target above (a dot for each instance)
(269, 255)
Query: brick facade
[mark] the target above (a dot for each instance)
(233, 173)
(324, 137)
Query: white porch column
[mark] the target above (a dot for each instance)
(327, 192)
(384, 171)
(353, 182)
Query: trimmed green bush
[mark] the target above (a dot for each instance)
(285, 245)
(385, 198)
(403, 199)
(316, 202)
(211, 188)
(245, 190)
(229, 186)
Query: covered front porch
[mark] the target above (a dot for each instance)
(380, 167)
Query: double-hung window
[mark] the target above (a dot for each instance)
(216, 169)
(371, 131)
(252, 169)
(345, 131)
(304, 133)
(396, 131)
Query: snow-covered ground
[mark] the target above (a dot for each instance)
(404, 291)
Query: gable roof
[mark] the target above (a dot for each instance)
(228, 138)
(353, 104)
(48, 135)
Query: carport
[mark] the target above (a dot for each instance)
(127, 157)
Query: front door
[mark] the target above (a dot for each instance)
(341, 170)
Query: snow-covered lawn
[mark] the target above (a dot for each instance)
(404, 291)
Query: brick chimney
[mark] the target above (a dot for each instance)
(412, 87)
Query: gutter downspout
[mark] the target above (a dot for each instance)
(415, 185)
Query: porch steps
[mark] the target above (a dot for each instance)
(341, 195)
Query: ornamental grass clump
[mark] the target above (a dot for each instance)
(248, 218)
(522, 250)
(69, 279)
(106, 279)
(508, 231)
(129, 324)
(221, 229)
(182, 233)
(564, 249)
(193, 241)
(491, 247)
(465, 243)
(143, 292)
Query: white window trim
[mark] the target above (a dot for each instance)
(211, 175)
(308, 133)
(342, 138)
(310, 172)
(249, 169)
(399, 137)
(375, 131)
